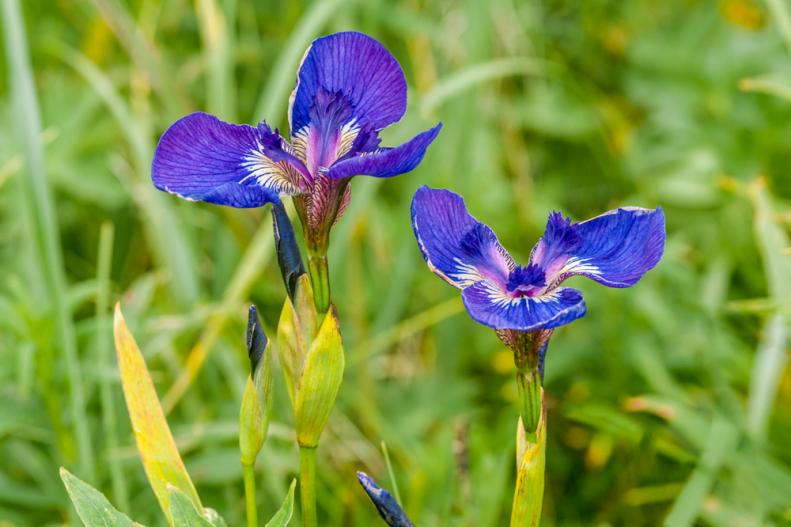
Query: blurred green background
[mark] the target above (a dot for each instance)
(669, 402)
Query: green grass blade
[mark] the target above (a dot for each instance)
(106, 364)
(93, 508)
(142, 51)
(475, 74)
(782, 17)
(162, 224)
(217, 53)
(43, 218)
(273, 101)
(283, 515)
(721, 443)
(253, 262)
(771, 358)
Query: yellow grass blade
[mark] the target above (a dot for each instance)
(161, 459)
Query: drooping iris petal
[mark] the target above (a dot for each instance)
(202, 158)
(456, 246)
(360, 70)
(386, 162)
(615, 249)
(489, 305)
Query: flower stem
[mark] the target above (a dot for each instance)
(248, 473)
(319, 279)
(307, 485)
(528, 382)
(530, 465)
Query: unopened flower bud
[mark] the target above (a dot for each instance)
(289, 257)
(389, 509)
(320, 381)
(257, 398)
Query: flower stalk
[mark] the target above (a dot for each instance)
(530, 465)
(248, 474)
(307, 485)
(318, 270)
(528, 383)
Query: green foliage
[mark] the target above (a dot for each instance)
(283, 515)
(577, 106)
(92, 507)
(184, 513)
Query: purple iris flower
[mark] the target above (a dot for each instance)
(615, 249)
(348, 88)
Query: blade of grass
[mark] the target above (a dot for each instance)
(281, 79)
(390, 472)
(43, 218)
(766, 85)
(158, 452)
(217, 45)
(721, 442)
(142, 51)
(782, 17)
(162, 225)
(406, 328)
(104, 359)
(464, 79)
(253, 262)
(771, 358)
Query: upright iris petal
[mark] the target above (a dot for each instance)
(615, 249)
(364, 79)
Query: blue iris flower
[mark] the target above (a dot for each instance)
(615, 249)
(348, 88)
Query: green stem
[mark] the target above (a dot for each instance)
(528, 384)
(530, 468)
(307, 485)
(248, 473)
(319, 279)
(42, 221)
(105, 358)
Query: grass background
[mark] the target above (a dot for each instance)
(669, 402)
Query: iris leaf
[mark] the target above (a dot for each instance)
(283, 515)
(161, 459)
(92, 506)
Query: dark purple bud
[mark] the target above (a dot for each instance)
(288, 256)
(256, 340)
(389, 509)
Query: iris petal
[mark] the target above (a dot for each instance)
(358, 68)
(386, 162)
(615, 249)
(202, 158)
(489, 305)
(456, 246)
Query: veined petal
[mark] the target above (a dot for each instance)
(456, 246)
(615, 249)
(201, 158)
(386, 162)
(357, 67)
(490, 305)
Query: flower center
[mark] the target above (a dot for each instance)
(527, 281)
